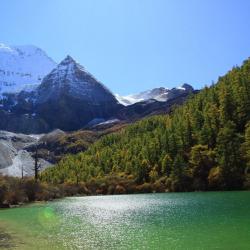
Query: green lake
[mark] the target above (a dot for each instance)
(211, 220)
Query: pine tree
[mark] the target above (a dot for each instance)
(229, 156)
(201, 161)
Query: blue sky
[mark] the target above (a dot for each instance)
(134, 45)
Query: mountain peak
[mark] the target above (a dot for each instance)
(68, 59)
(22, 66)
(69, 66)
(69, 78)
(187, 87)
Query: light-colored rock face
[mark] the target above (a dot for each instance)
(22, 67)
(14, 158)
(7, 153)
(159, 94)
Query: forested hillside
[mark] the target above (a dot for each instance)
(202, 145)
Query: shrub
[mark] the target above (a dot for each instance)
(144, 188)
(215, 178)
(119, 189)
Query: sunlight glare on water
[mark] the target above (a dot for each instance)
(215, 220)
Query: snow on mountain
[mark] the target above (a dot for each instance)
(22, 67)
(127, 100)
(63, 96)
(160, 94)
(70, 78)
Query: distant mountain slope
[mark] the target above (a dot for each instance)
(22, 67)
(159, 94)
(151, 107)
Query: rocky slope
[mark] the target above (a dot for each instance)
(56, 144)
(15, 159)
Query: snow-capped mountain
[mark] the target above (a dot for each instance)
(37, 95)
(71, 79)
(159, 94)
(22, 67)
(68, 98)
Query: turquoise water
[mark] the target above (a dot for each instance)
(212, 220)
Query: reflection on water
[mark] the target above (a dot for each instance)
(153, 221)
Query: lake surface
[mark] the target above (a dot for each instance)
(212, 220)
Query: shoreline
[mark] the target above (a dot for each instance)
(101, 195)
